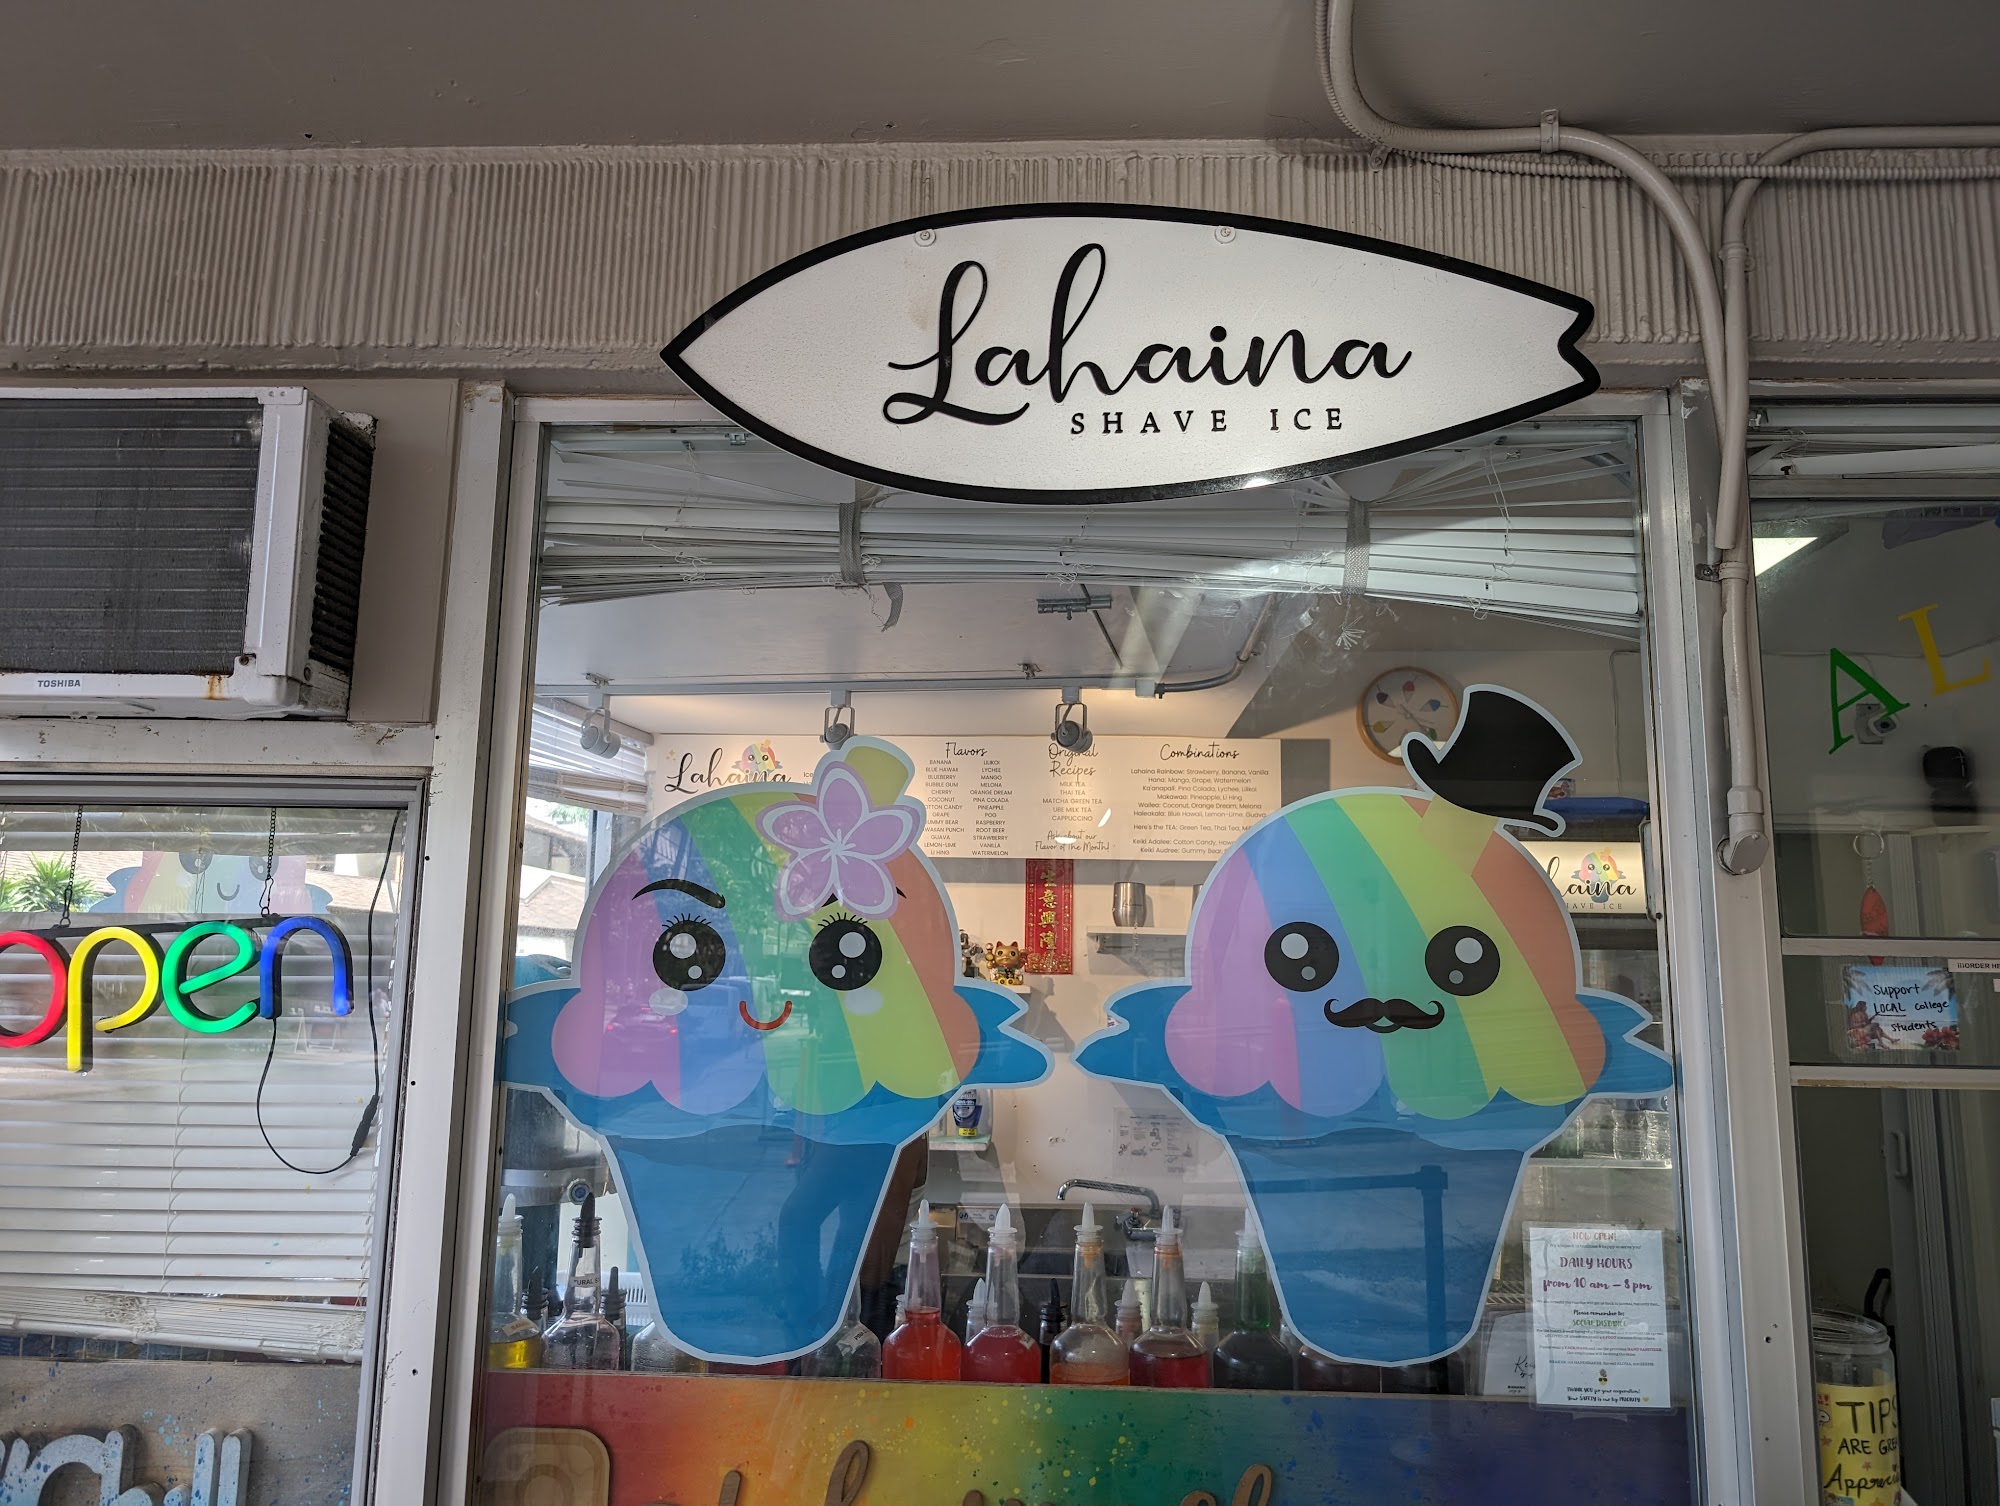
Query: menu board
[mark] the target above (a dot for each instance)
(1599, 1302)
(1018, 797)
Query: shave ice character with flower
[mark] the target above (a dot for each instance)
(765, 1010)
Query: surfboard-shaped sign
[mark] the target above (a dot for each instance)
(1109, 353)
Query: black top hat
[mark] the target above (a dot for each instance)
(1500, 760)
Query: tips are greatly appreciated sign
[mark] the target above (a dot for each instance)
(1105, 353)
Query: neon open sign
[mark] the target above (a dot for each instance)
(167, 979)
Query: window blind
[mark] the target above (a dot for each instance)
(138, 1199)
(1542, 523)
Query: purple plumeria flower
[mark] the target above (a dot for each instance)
(840, 843)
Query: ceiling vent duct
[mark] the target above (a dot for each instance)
(179, 553)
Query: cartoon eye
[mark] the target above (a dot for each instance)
(1462, 960)
(690, 954)
(1301, 956)
(845, 954)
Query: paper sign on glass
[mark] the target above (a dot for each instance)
(1111, 352)
(1893, 1007)
(1599, 1299)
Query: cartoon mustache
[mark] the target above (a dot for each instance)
(1384, 1015)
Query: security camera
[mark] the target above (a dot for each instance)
(1873, 722)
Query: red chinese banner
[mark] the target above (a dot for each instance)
(1051, 922)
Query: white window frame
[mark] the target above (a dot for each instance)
(1749, 962)
(1746, 1370)
(220, 786)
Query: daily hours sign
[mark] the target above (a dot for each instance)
(1106, 353)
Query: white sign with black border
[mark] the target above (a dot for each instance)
(1110, 353)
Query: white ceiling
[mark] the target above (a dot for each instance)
(518, 72)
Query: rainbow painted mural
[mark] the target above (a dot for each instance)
(674, 1439)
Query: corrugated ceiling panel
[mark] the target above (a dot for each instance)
(590, 258)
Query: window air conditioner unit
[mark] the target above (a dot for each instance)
(179, 552)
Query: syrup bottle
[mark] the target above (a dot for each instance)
(1168, 1354)
(1002, 1350)
(1052, 1322)
(654, 1350)
(614, 1314)
(1207, 1328)
(853, 1353)
(1253, 1357)
(1130, 1323)
(513, 1342)
(1088, 1353)
(922, 1348)
(583, 1338)
(1322, 1372)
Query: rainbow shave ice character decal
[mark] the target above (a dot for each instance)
(765, 1010)
(1382, 1016)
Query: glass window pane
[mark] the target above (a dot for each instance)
(200, 1005)
(1122, 891)
(1894, 1013)
(1897, 1186)
(1875, 554)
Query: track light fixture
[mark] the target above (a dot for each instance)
(837, 722)
(596, 735)
(1072, 728)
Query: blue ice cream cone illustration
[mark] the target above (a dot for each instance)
(765, 1010)
(1382, 1017)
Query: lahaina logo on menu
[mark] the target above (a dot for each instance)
(760, 761)
(1598, 875)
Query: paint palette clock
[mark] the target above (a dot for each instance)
(1401, 701)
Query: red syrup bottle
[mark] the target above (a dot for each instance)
(1168, 1354)
(922, 1348)
(1003, 1351)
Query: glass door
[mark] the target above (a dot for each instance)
(1875, 543)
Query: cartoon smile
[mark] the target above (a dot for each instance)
(743, 1008)
(1384, 1016)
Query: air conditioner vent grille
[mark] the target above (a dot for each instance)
(343, 526)
(127, 531)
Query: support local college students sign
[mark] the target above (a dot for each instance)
(1109, 353)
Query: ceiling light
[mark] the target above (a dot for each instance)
(1072, 729)
(837, 721)
(1766, 552)
(595, 735)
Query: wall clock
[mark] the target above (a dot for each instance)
(1398, 702)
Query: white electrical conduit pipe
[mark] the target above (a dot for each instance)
(1722, 312)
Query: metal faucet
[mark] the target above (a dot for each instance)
(1130, 1224)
